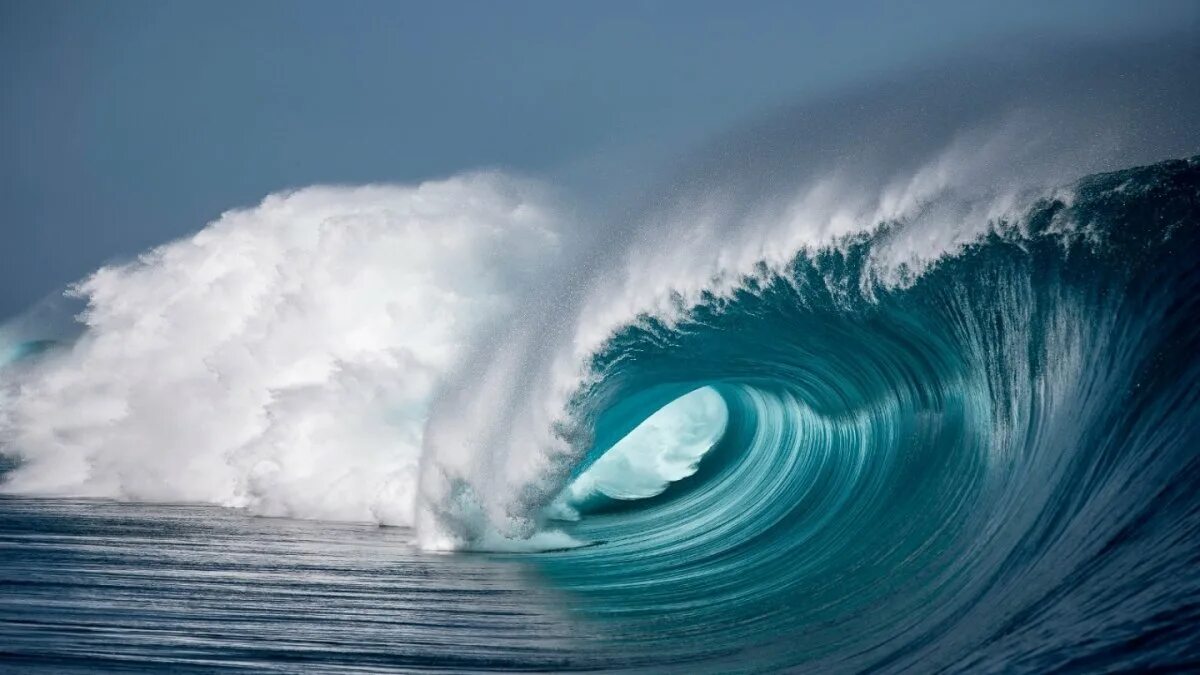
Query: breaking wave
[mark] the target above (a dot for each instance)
(897, 398)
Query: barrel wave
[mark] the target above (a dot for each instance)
(992, 466)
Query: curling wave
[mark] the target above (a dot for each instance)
(953, 474)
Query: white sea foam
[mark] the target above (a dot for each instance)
(282, 359)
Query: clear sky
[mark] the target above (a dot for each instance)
(125, 124)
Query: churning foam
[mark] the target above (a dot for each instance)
(282, 359)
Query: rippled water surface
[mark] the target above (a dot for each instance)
(90, 585)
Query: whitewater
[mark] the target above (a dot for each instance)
(892, 379)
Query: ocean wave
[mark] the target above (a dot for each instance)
(896, 402)
(953, 473)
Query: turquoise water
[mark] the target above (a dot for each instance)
(993, 468)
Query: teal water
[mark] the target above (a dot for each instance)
(994, 468)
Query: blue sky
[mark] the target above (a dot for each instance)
(126, 124)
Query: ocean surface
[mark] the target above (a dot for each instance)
(98, 586)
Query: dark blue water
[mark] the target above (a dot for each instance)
(91, 586)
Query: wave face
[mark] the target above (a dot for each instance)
(991, 467)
